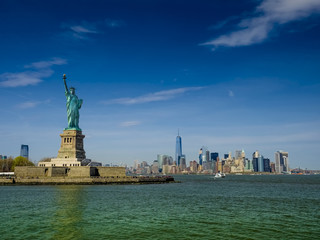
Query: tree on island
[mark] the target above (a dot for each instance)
(6, 164)
(21, 161)
(45, 159)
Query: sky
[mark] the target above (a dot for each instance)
(229, 75)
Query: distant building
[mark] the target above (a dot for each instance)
(160, 161)
(183, 162)
(248, 167)
(243, 154)
(155, 167)
(204, 155)
(94, 164)
(136, 164)
(207, 156)
(255, 164)
(266, 165)
(282, 162)
(255, 154)
(214, 156)
(178, 149)
(200, 156)
(260, 164)
(164, 160)
(238, 154)
(193, 166)
(144, 164)
(24, 152)
(273, 167)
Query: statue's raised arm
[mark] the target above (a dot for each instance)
(65, 83)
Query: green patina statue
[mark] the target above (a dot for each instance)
(73, 106)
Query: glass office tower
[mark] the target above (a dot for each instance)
(178, 150)
(24, 152)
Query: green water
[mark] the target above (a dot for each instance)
(237, 207)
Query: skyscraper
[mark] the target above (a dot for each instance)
(255, 154)
(164, 160)
(266, 165)
(260, 163)
(183, 162)
(160, 161)
(200, 156)
(255, 164)
(238, 154)
(178, 149)
(24, 152)
(214, 156)
(207, 155)
(282, 161)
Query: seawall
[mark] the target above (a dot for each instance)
(85, 180)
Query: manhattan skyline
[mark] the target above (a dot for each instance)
(229, 74)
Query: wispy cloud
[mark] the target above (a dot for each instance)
(28, 104)
(47, 64)
(86, 29)
(268, 15)
(31, 104)
(81, 29)
(23, 79)
(39, 70)
(81, 32)
(153, 97)
(231, 94)
(130, 123)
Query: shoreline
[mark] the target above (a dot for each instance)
(87, 180)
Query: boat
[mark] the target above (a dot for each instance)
(219, 175)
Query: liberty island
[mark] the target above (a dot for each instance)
(71, 166)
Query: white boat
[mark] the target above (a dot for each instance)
(219, 175)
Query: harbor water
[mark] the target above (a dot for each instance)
(200, 207)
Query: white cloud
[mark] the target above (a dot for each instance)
(267, 15)
(41, 70)
(130, 123)
(82, 29)
(85, 29)
(28, 104)
(22, 79)
(32, 104)
(152, 97)
(231, 94)
(47, 64)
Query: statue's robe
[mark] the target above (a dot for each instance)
(73, 106)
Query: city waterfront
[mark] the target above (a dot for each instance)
(237, 207)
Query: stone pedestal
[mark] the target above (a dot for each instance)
(71, 152)
(72, 145)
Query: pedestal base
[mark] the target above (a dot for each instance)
(71, 152)
(61, 162)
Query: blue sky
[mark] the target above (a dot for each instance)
(229, 74)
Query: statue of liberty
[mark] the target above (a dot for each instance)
(73, 106)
